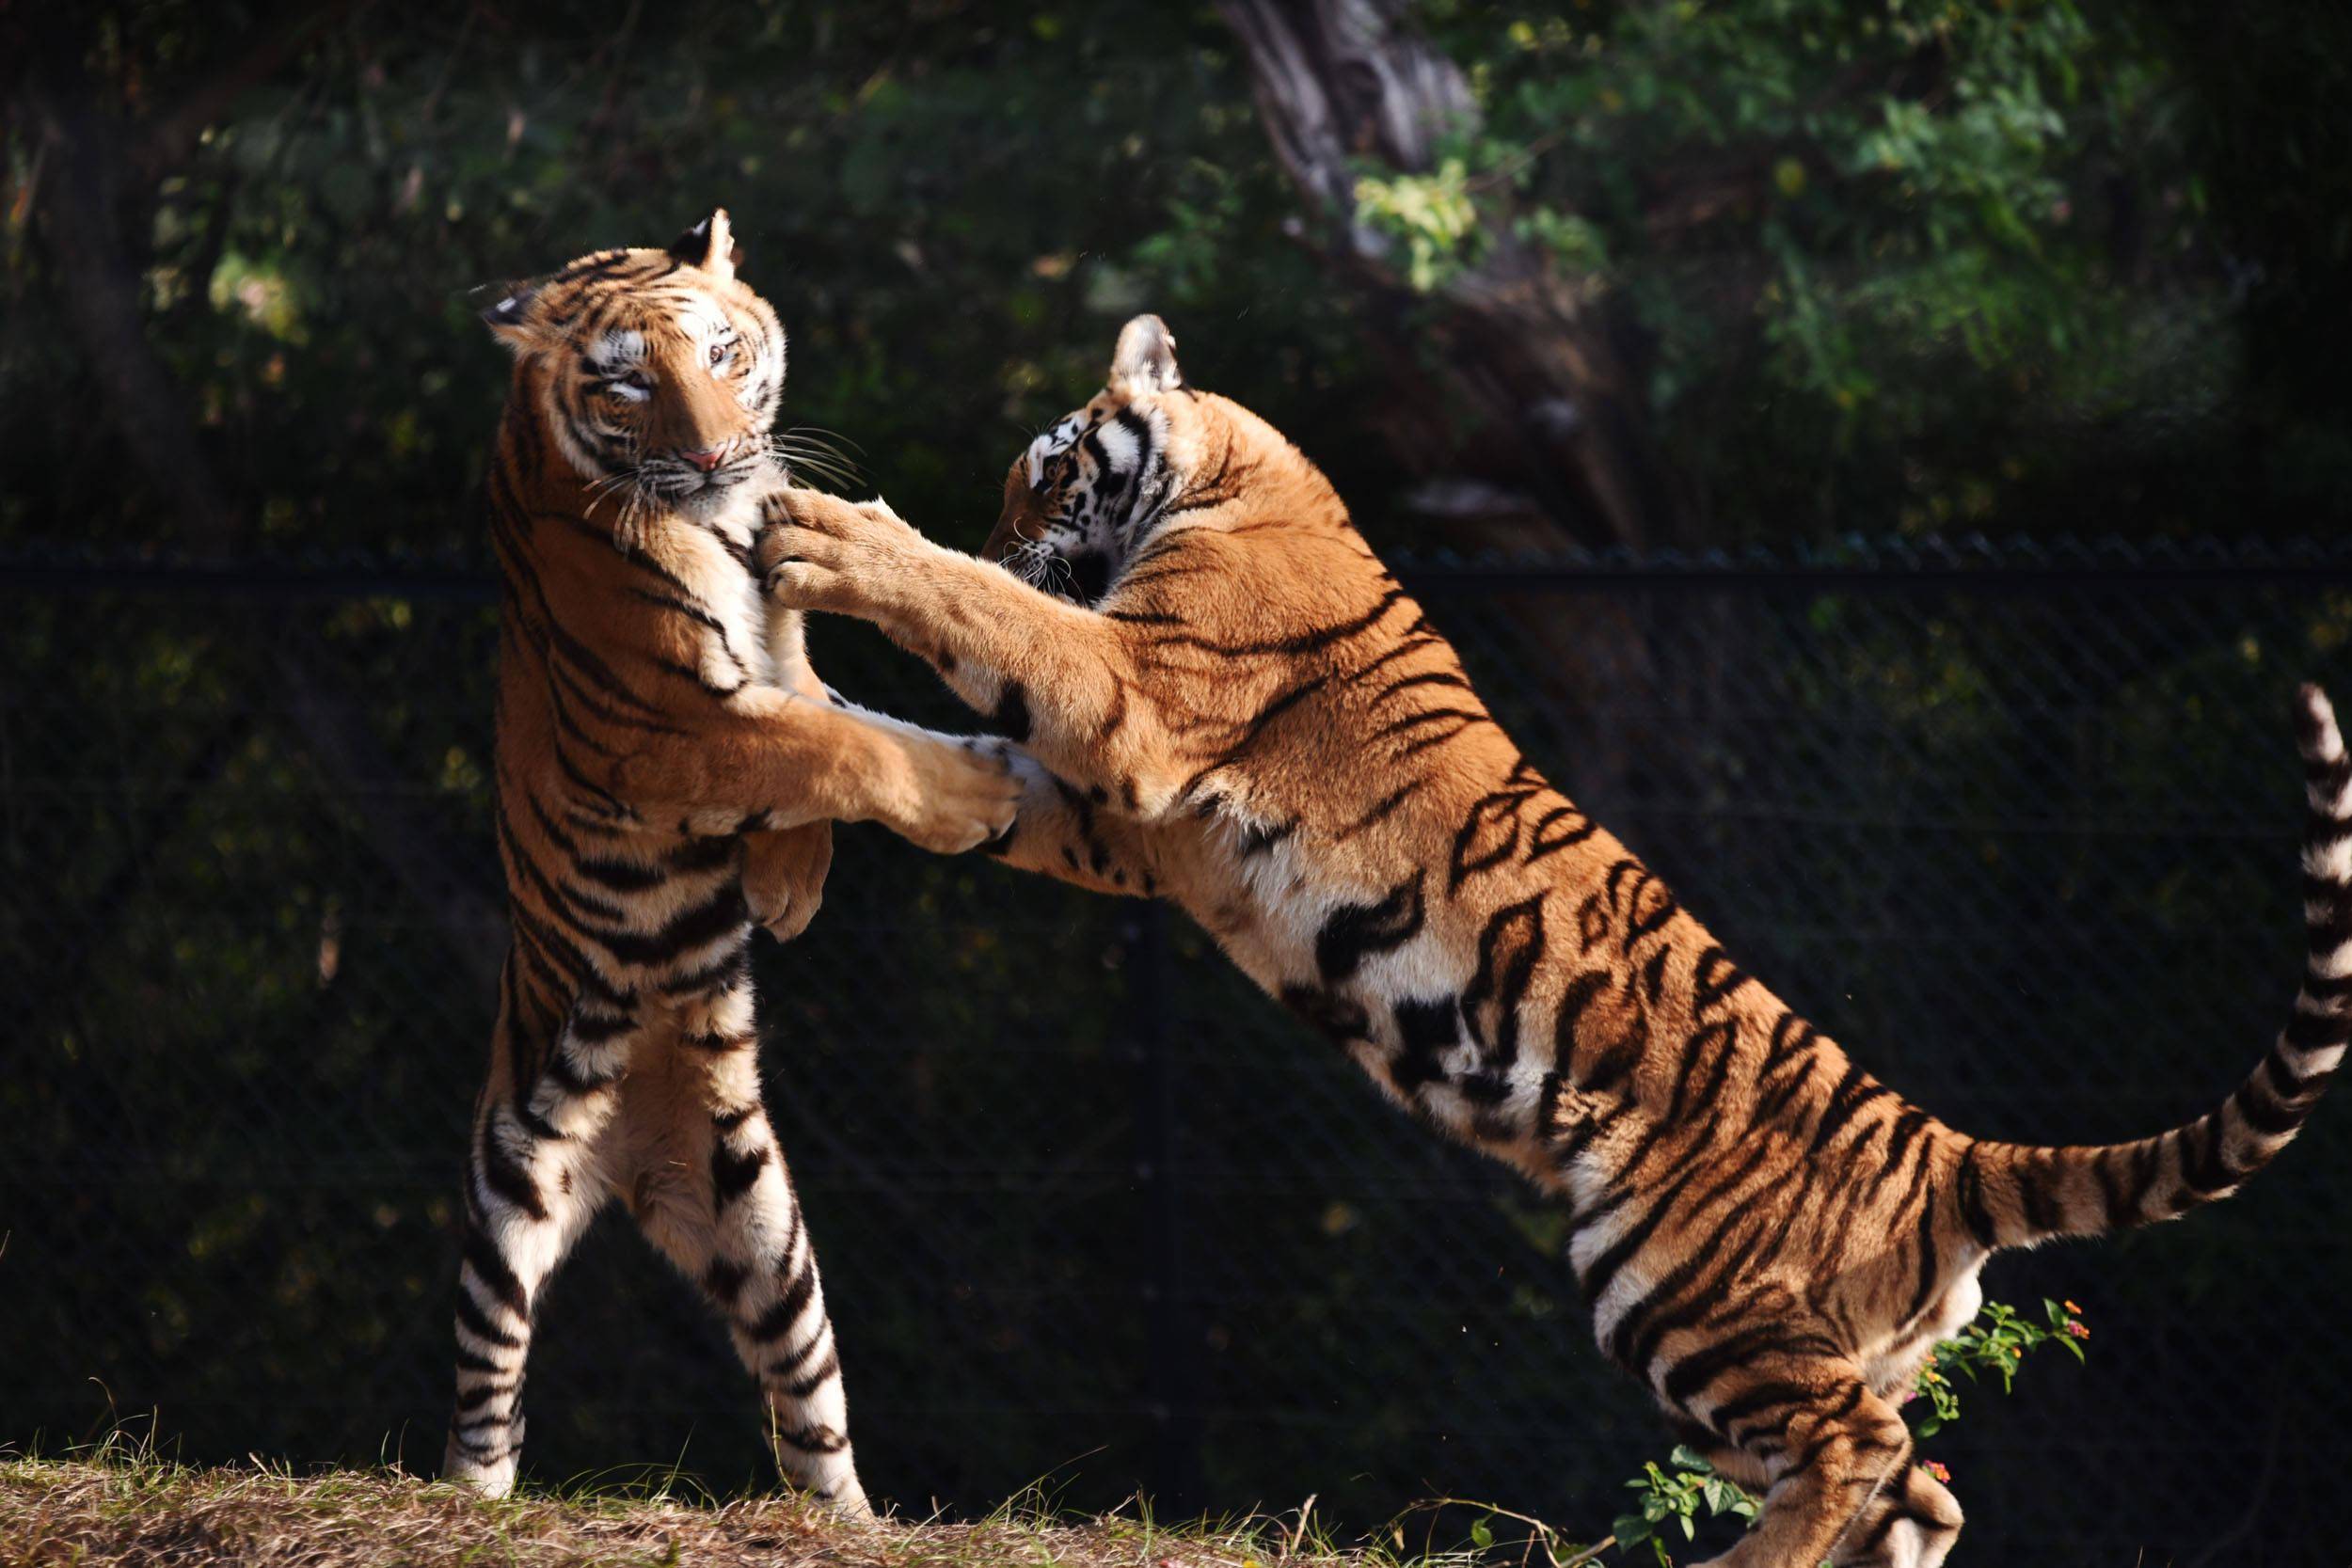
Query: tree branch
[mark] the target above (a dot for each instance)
(1341, 82)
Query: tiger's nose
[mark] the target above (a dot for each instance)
(706, 461)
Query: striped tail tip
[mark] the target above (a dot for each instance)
(2268, 1111)
(2316, 1036)
(2326, 767)
(2014, 1194)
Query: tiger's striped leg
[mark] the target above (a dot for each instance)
(1061, 832)
(1831, 1449)
(1913, 1524)
(536, 1172)
(708, 1185)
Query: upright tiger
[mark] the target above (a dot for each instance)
(667, 767)
(1240, 710)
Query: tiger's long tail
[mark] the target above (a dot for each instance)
(2016, 1195)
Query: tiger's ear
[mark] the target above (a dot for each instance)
(710, 245)
(509, 317)
(1145, 360)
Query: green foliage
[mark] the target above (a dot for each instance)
(1432, 214)
(952, 224)
(1969, 264)
(1993, 1346)
(1929, 248)
(1673, 1497)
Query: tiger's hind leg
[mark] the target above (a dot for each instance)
(1913, 1523)
(1830, 1448)
(538, 1169)
(706, 1182)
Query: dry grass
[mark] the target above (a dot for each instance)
(121, 1505)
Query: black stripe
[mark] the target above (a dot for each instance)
(506, 1176)
(1973, 1211)
(491, 1267)
(2028, 1170)
(478, 1322)
(778, 1320)
(732, 1174)
(724, 1280)
(1353, 932)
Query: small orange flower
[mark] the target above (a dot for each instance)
(1936, 1468)
(2071, 1309)
(2080, 1331)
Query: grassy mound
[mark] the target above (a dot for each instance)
(125, 1506)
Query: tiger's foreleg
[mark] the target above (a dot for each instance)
(538, 1169)
(784, 872)
(707, 1182)
(1060, 679)
(771, 760)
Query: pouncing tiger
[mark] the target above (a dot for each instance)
(667, 767)
(1238, 709)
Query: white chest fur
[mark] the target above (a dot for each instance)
(741, 637)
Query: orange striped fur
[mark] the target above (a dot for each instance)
(667, 769)
(1236, 707)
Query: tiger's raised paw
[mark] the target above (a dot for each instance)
(816, 551)
(956, 795)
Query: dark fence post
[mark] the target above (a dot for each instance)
(1171, 1373)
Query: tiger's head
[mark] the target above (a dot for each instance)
(1089, 491)
(655, 374)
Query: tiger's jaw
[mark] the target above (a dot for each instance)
(635, 502)
(727, 503)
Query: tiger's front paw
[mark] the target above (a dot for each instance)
(784, 877)
(819, 552)
(956, 795)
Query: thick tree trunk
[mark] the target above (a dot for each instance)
(1561, 424)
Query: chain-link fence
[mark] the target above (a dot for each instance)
(2018, 828)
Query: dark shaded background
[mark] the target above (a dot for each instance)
(1713, 290)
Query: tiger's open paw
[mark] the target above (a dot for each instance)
(784, 877)
(819, 552)
(956, 795)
